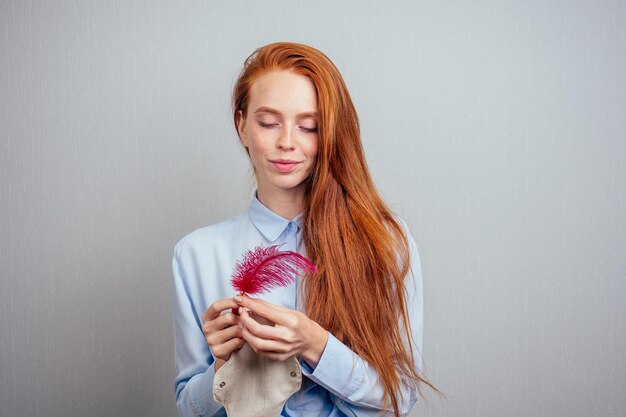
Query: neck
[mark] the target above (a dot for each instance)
(286, 203)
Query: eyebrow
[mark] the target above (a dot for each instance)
(264, 109)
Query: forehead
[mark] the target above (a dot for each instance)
(285, 91)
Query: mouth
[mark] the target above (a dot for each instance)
(283, 165)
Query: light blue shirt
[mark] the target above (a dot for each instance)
(341, 384)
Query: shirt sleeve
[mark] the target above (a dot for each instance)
(193, 358)
(351, 381)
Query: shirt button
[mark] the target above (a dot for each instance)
(222, 384)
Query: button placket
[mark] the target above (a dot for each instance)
(291, 244)
(295, 229)
(291, 238)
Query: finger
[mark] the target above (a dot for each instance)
(264, 345)
(217, 307)
(223, 336)
(225, 349)
(259, 330)
(275, 356)
(226, 320)
(222, 321)
(263, 308)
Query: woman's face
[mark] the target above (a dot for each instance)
(280, 130)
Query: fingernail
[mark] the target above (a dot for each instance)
(238, 298)
(240, 310)
(240, 326)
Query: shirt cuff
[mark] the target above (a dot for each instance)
(201, 393)
(339, 370)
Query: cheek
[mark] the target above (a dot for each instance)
(255, 153)
(255, 143)
(312, 148)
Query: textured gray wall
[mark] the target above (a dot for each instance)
(496, 129)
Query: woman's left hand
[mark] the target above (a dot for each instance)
(293, 333)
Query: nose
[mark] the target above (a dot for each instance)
(286, 139)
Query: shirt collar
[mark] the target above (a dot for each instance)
(270, 224)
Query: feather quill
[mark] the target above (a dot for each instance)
(265, 268)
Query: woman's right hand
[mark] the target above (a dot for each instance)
(221, 330)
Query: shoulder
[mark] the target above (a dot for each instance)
(209, 236)
(407, 232)
(415, 261)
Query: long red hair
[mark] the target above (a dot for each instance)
(349, 232)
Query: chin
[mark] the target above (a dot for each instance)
(289, 185)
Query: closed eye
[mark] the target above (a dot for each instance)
(306, 129)
(267, 124)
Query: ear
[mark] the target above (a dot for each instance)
(241, 128)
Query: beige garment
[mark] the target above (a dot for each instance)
(251, 385)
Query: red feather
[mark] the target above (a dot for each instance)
(263, 268)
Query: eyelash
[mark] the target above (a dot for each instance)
(306, 129)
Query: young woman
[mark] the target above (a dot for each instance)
(356, 326)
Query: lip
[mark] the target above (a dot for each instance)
(285, 165)
(285, 161)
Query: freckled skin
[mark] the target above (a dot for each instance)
(289, 133)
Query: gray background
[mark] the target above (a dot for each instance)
(496, 129)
